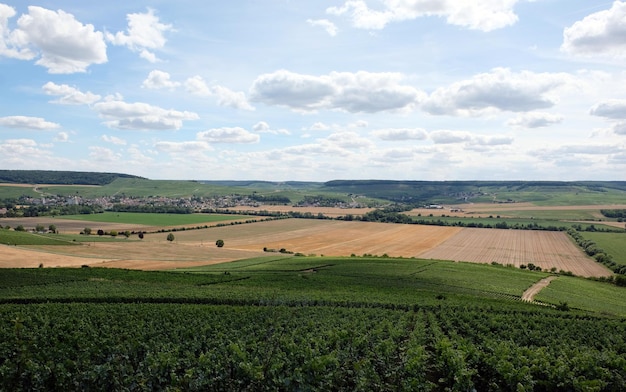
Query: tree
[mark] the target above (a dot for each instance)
(20, 228)
(87, 231)
(219, 243)
(100, 232)
(39, 228)
(52, 229)
(170, 237)
(126, 233)
(140, 235)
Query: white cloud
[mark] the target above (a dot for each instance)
(12, 43)
(113, 140)
(348, 140)
(141, 116)
(400, 134)
(182, 147)
(611, 108)
(69, 95)
(601, 33)
(102, 154)
(350, 92)
(484, 15)
(145, 34)
(158, 79)
(449, 137)
(225, 97)
(327, 25)
(535, 120)
(263, 127)
(228, 135)
(24, 122)
(620, 128)
(62, 137)
(63, 44)
(498, 90)
(318, 126)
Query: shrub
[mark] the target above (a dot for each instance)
(170, 237)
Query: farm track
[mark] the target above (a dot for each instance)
(529, 295)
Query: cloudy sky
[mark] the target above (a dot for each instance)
(316, 90)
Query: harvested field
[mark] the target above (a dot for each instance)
(327, 211)
(334, 238)
(545, 249)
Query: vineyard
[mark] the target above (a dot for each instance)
(305, 323)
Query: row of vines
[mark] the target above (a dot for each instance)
(89, 346)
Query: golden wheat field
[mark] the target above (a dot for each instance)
(546, 249)
(316, 237)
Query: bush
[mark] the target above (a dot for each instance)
(219, 243)
(170, 237)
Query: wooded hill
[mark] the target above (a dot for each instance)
(59, 177)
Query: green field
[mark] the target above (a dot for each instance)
(10, 237)
(613, 244)
(308, 323)
(511, 222)
(149, 219)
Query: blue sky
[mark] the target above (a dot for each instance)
(316, 90)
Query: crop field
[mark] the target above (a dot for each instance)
(614, 244)
(148, 219)
(544, 249)
(329, 238)
(304, 323)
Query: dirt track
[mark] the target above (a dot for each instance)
(529, 295)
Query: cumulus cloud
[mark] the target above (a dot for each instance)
(348, 140)
(225, 97)
(445, 136)
(69, 95)
(228, 135)
(484, 15)
(611, 108)
(113, 140)
(449, 137)
(103, 154)
(24, 122)
(158, 79)
(350, 92)
(498, 90)
(599, 33)
(535, 120)
(263, 127)
(620, 128)
(327, 25)
(182, 147)
(62, 137)
(63, 44)
(400, 134)
(145, 34)
(141, 116)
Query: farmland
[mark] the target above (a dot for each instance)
(315, 304)
(302, 323)
(544, 249)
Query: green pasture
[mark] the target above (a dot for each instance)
(560, 196)
(613, 244)
(15, 192)
(585, 294)
(152, 219)
(11, 237)
(511, 222)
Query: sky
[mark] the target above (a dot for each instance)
(320, 90)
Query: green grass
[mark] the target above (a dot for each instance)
(585, 294)
(150, 219)
(14, 192)
(10, 237)
(613, 244)
(511, 222)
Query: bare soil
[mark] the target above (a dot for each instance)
(546, 249)
(529, 295)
